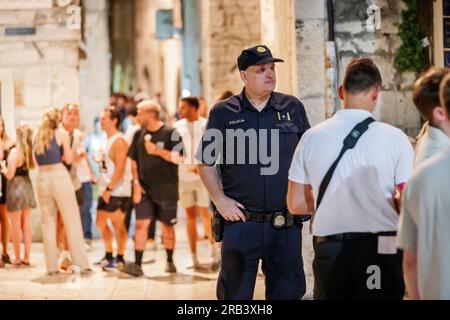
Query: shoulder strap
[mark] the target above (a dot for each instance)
(349, 143)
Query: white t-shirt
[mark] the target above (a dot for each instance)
(359, 196)
(123, 188)
(432, 141)
(129, 133)
(191, 133)
(424, 225)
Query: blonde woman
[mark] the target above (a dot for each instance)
(5, 146)
(20, 198)
(56, 192)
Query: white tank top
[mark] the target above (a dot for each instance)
(123, 188)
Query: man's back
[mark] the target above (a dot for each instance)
(359, 194)
(425, 225)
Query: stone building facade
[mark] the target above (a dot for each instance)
(40, 69)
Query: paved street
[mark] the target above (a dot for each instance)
(187, 284)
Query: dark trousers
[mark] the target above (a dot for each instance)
(244, 244)
(152, 229)
(86, 217)
(348, 270)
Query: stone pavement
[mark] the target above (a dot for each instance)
(187, 284)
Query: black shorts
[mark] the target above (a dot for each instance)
(164, 211)
(114, 204)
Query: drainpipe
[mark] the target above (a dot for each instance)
(331, 66)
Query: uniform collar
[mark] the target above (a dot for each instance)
(245, 104)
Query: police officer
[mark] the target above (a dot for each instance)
(252, 137)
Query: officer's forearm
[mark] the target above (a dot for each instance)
(208, 175)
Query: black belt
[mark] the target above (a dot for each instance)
(355, 236)
(260, 216)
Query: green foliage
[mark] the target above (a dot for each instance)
(409, 56)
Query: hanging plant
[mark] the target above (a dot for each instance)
(409, 56)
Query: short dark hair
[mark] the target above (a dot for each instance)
(114, 113)
(444, 93)
(192, 101)
(361, 74)
(131, 110)
(426, 91)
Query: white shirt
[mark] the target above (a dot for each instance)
(431, 141)
(123, 188)
(191, 134)
(129, 133)
(359, 196)
(424, 225)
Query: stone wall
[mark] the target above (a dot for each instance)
(44, 65)
(228, 27)
(311, 27)
(95, 74)
(353, 40)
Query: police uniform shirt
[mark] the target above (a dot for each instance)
(243, 181)
(359, 197)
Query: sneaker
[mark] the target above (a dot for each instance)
(170, 267)
(120, 263)
(132, 269)
(88, 245)
(65, 264)
(107, 264)
(6, 259)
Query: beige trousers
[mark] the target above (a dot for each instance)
(56, 192)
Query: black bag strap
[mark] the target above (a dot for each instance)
(349, 143)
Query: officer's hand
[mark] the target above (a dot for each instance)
(230, 210)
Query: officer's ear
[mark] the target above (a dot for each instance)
(243, 76)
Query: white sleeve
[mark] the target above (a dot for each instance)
(298, 172)
(405, 160)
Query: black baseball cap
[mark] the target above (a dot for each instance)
(255, 56)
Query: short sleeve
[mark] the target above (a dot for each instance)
(405, 152)
(407, 232)
(176, 142)
(298, 172)
(211, 144)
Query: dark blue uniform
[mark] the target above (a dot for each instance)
(244, 244)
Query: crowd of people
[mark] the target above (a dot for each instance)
(378, 209)
(120, 165)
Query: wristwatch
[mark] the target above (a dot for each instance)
(108, 189)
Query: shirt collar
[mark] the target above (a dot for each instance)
(353, 114)
(272, 103)
(437, 134)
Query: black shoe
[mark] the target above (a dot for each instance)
(132, 269)
(170, 267)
